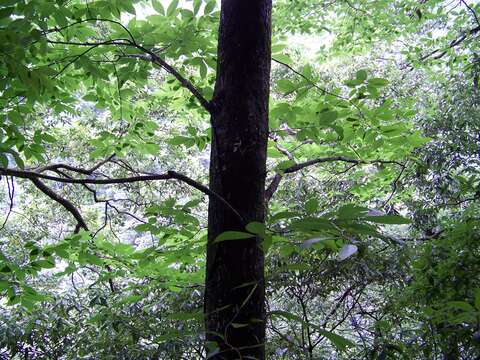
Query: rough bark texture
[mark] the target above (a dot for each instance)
(235, 292)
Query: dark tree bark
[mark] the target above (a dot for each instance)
(235, 291)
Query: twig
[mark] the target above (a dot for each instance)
(11, 193)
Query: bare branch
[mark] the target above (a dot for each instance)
(473, 12)
(273, 187)
(11, 194)
(305, 164)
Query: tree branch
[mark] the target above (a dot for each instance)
(81, 224)
(90, 171)
(305, 164)
(455, 42)
(152, 57)
(25, 174)
(278, 177)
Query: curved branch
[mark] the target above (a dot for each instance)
(305, 164)
(441, 52)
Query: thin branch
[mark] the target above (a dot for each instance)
(394, 185)
(474, 13)
(91, 20)
(11, 193)
(154, 58)
(305, 164)
(312, 83)
(90, 171)
(441, 52)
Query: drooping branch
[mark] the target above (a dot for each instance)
(81, 224)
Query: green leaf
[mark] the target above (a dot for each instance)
(477, 298)
(172, 7)
(388, 219)
(233, 235)
(238, 325)
(338, 341)
(4, 284)
(196, 6)
(378, 82)
(283, 58)
(311, 206)
(361, 75)
(327, 117)
(148, 148)
(157, 5)
(46, 264)
(3, 160)
(130, 299)
(353, 83)
(351, 211)
(284, 165)
(310, 224)
(256, 227)
(209, 7)
(462, 305)
(286, 86)
(127, 6)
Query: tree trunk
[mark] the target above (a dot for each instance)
(235, 290)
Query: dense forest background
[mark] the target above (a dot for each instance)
(371, 238)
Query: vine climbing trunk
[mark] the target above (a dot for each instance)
(235, 290)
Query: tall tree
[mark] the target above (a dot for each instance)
(234, 297)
